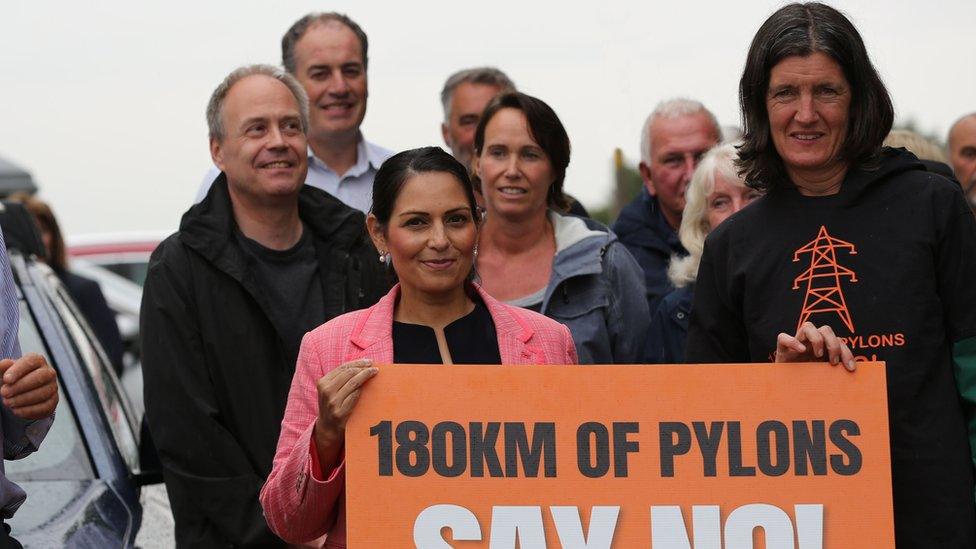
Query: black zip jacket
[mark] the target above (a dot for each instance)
(216, 369)
(641, 227)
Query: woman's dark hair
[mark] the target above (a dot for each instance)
(545, 129)
(801, 30)
(397, 169)
(56, 255)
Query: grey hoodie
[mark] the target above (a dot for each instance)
(597, 290)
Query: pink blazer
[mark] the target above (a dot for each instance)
(300, 506)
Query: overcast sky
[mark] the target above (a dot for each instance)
(103, 101)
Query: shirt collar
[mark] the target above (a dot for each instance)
(374, 155)
(367, 156)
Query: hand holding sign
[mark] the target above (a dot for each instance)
(810, 344)
(338, 392)
(30, 386)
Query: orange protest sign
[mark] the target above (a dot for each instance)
(669, 457)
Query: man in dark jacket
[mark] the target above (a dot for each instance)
(673, 140)
(260, 261)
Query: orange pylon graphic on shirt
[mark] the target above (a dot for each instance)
(824, 294)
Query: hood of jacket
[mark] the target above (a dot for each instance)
(208, 227)
(860, 181)
(582, 257)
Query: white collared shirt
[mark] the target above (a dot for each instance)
(354, 188)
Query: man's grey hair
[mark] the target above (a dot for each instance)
(489, 76)
(298, 28)
(672, 108)
(215, 108)
(961, 119)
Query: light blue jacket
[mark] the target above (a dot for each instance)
(597, 290)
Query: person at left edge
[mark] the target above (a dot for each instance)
(29, 396)
(262, 260)
(425, 218)
(86, 292)
(327, 53)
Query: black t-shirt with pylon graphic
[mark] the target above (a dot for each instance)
(889, 263)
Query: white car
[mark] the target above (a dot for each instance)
(125, 254)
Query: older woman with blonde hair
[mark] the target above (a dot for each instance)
(714, 193)
(929, 153)
(913, 142)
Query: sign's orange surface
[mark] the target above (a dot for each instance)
(795, 451)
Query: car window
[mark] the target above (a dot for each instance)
(120, 418)
(63, 455)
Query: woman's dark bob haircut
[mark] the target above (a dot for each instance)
(545, 129)
(397, 169)
(57, 258)
(801, 30)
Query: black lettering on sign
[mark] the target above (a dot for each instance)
(483, 438)
(838, 430)
(384, 447)
(459, 449)
(809, 448)
(766, 431)
(446, 449)
(622, 446)
(736, 469)
(600, 449)
(412, 438)
(670, 447)
(708, 440)
(543, 448)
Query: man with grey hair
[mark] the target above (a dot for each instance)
(327, 53)
(673, 139)
(962, 154)
(259, 262)
(464, 97)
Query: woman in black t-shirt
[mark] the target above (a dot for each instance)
(860, 239)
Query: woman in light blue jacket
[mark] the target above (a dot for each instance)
(532, 255)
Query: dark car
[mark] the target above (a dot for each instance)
(83, 484)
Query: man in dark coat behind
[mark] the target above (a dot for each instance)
(259, 262)
(674, 138)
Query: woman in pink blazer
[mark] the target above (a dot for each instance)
(425, 221)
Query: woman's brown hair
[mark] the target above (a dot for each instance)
(56, 255)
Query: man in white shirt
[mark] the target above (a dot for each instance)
(327, 53)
